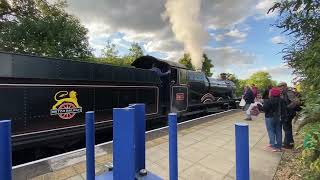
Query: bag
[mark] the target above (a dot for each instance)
(242, 102)
(253, 110)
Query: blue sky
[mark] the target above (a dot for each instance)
(241, 38)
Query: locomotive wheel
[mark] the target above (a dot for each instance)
(208, 101)
(67, 106)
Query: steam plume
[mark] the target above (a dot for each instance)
(184, 18)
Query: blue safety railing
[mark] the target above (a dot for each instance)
(129, 147)
(242, 151)
(90, 145)
(5, 150)
(173, 147)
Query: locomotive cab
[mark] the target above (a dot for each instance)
(146, 62)
(173, 90)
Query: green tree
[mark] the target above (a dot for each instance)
(39, 28)
(207, 65)
(240, 87)
(232, 77)
(110, 51)
(240, 84)
(261, 79)
(300, 19)
(135, 51)
(110, 55)
(186, 60)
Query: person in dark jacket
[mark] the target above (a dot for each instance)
(249, 98)
(292, 103)
(275, 114)
(265, 94)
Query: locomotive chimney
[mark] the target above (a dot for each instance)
(223, 76)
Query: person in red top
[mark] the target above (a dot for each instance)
(254, 90)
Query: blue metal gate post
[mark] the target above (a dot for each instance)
(140, 136)
(242, 151)
(173, 147)
(5, 150)
(90, 145)
(123, 144)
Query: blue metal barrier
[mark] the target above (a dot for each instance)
(140, 136)
(173, 146)
(5, 150)
(124, 143)
(129, 145)
(242, 151)
(90, 159)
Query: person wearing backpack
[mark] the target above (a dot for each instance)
(292, 102)
(275, 114)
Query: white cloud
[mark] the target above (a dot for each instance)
(219, 14)
(263, 7)
(144, 16)
(223, 57)
(140, 21)
(236, 34)
(217, 37)
(142, 37)
(278, 40)
(174, 55)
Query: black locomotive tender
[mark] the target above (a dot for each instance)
(46, 97)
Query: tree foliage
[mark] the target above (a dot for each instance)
(39, 28)
(206, 63)
(300, 19)
(261, 79)
(186, 60)
(135, 51)
(238, 82)
(110, 54)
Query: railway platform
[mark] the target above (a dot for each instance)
(206, 150)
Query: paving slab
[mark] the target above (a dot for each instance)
(206, 152)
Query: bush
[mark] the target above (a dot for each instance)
(310, 157)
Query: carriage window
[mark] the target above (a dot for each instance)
(182, 76)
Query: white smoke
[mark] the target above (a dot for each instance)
(185, 23)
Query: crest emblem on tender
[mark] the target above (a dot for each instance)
(66, 106)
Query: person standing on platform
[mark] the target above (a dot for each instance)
(291, 102)
(275, 114)
(254, 90)
(249, 98)
(265, 94)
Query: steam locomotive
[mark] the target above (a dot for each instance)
(46, 97)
